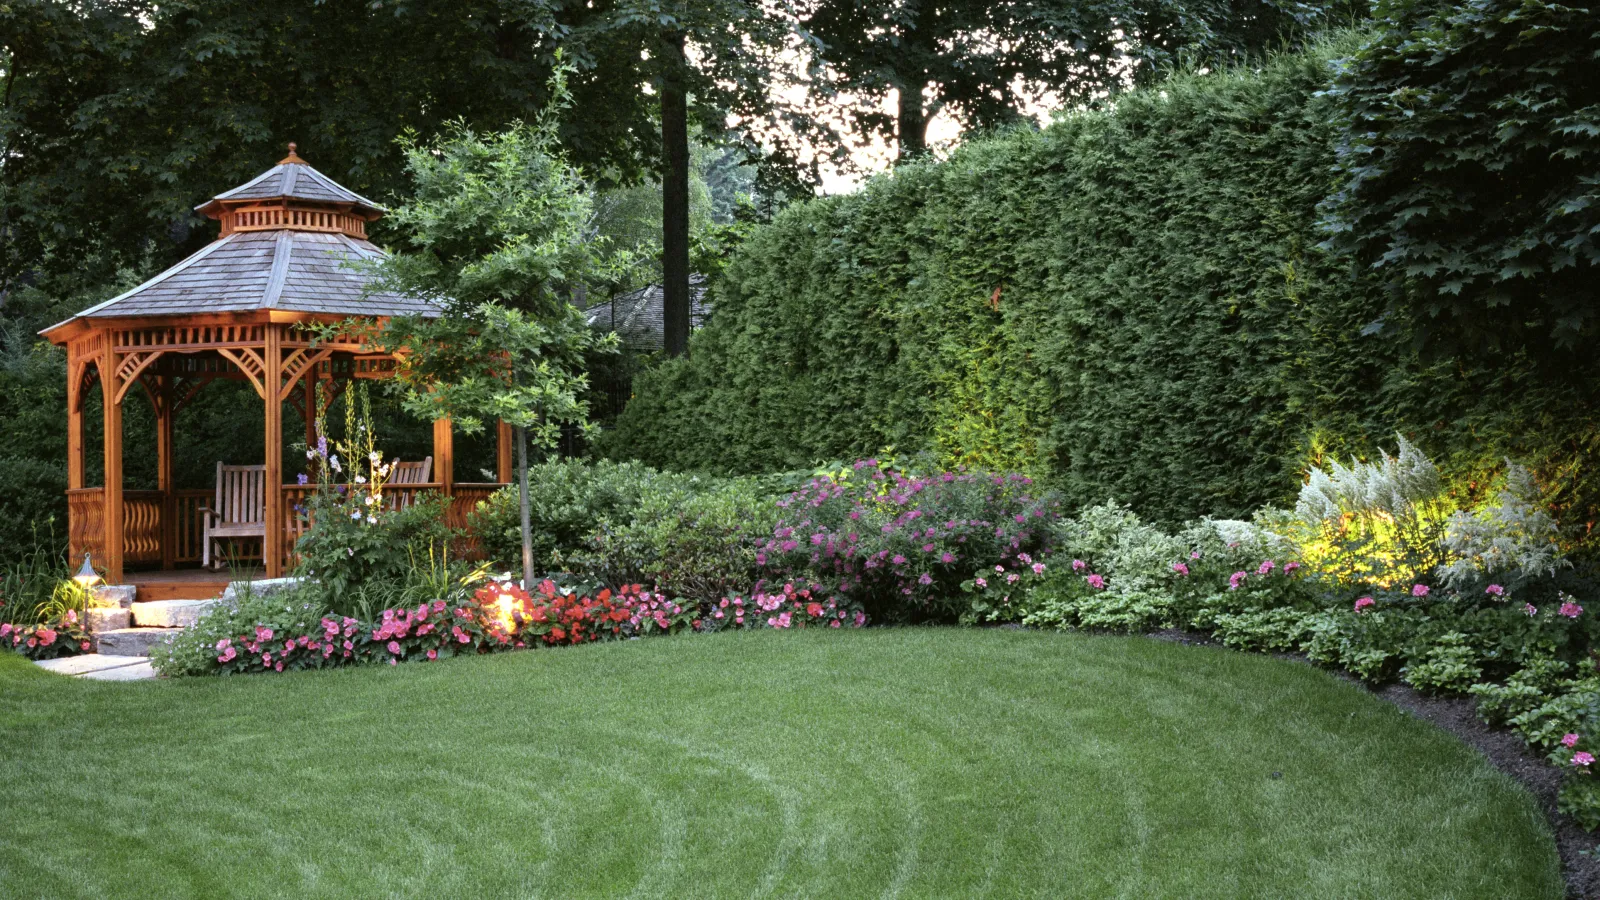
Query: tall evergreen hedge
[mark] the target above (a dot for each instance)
(1132, 303)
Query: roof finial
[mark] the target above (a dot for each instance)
(291, 158)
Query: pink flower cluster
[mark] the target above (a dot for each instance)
(1580, 760)
(1363, 603)
(427, 631)
(47, 640)
(1267, 567)
(791, 607)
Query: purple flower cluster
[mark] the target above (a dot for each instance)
(890, 541)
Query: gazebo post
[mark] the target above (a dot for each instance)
(113, 461)
(75, 458)
(502, 452)
(444, 453)
(310, 408)
(169, 509)
(272, 491)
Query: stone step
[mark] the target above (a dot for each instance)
(115, 596)
(109, 619)
(132, 641)
(171, 613)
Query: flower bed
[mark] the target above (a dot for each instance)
(283, 635)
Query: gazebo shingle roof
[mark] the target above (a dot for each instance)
(302, 271)
(292, 240)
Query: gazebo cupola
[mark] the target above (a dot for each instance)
(292, 195)
(290, 253)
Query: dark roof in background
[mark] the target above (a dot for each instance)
(302, 271)
(638, 316)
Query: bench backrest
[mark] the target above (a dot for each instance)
(411, 472)
(241, 495)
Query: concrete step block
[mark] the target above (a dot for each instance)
(137, 672)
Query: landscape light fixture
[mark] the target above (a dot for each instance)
(86, 576)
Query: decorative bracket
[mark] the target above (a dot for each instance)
(131, 367)
(251, 362)
(295, 367)
(192, 386)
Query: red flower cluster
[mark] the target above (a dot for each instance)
(513, 616)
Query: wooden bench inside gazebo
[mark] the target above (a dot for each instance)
(237, 309)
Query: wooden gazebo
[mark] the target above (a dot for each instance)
(237, 309)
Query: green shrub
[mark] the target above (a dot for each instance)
(35, 509)
(568, 501)
(349, 559)
(1526, 689)
(691, 538)
(362, 541)
(29, 583)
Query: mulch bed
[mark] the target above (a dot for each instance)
(1580, 864)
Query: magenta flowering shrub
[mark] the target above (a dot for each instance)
(899, 546)
(999, 594)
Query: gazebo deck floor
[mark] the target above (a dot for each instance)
(187, 584)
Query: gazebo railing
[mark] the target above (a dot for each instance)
(145, 512)
(189, 522)
(86, 521)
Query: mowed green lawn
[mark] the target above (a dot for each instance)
(879, 763)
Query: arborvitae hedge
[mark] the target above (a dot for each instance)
(1132, 303)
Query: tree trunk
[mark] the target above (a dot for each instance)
(911, 123)
(527, 517)
(674, 197)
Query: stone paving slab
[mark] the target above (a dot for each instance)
(140, 671)
(89, 662)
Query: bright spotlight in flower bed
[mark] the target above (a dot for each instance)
(506, 613)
